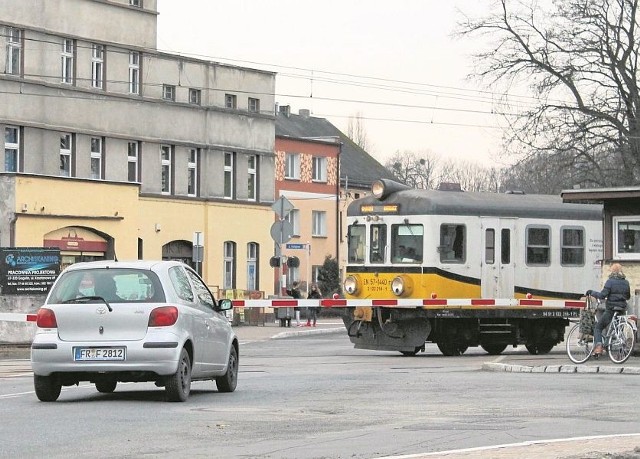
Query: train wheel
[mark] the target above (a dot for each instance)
(539, 348)
(494, 349)
(449, 348)
(411, 353)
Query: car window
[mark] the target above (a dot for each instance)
(203, 294)
(180, 283)
(120, 285)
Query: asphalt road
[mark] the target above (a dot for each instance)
(314, 396)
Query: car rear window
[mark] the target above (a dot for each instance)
(119, 285)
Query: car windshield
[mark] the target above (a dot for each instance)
(115, 285)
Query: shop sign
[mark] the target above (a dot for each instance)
(28, 270)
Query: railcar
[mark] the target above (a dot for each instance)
(463, 269)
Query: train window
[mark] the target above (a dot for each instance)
(626, 237)
(356, 243)
(453, 243)
(505, 248)
(406, 243)
(538, 246)
(490, 246)
(378, 243)
(572, 246)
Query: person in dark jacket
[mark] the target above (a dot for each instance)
(616, 292)
(294, 292)
(312, 312)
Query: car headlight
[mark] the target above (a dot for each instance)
(350, 285)
(401, 286)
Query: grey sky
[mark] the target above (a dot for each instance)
(342, 57)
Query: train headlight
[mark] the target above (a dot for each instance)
(401, 286)
(377, 188)
(351, 285)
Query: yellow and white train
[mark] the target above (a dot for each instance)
(463, 269)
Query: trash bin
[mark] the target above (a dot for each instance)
(284, 315)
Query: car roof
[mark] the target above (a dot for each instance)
(151, 265)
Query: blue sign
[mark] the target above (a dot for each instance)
(295, 246)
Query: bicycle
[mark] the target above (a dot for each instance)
(618, 338)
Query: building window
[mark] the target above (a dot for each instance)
(11, 149)
(168, 92)
(572, 247)
(195, 96)
(97, 66)
(137, 3)
(228, 175)
(254, 105)
(626, 238)
(319, 223)
(319, 172)
(538, 246)
(252, 266)
(229, 268)
(133, 167)
(165, 155)
(293, 217)
(292, 166)
(134, 72)
(192, 172)
(453, 243)
(230, 101)
(96, 157)
(252, 171)
(14, 51)
(65, 154)
(67, 56)
(315, 273)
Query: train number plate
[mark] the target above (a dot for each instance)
(88, 354)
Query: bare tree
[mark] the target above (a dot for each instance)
(357, 132)
(579, 58)
(416, 170)
(470, 176)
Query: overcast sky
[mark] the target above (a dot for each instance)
(394, 62)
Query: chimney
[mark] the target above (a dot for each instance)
(304, 112)
(285, 110)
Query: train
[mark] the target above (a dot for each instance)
(465, 269)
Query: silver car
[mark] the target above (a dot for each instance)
(108, 322)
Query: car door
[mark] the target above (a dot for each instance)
(217, 328)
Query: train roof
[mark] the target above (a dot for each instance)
(436, 202)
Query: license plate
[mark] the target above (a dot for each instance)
(98, 353)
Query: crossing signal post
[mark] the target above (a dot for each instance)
(281, 232)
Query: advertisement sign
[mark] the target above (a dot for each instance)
(28, 270)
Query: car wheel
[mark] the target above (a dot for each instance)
(178, 385)
(229, 381)
(47, 388)
(106, 386)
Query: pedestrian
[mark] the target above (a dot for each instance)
(294, 292)
(616, 292)
(312, 312)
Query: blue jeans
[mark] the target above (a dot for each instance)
(605, 320)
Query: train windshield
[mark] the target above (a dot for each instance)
(356, 243)
(407, 243)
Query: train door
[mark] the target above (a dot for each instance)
(497, 269)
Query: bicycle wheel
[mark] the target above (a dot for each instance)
(622, 342)
(579, 346)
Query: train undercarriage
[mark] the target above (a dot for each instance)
(454, 331)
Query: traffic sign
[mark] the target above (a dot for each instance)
(282, 207)
(281, 231)
(295, 246)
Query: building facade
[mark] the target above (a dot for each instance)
(113, 149)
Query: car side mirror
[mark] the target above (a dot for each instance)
(225, 304)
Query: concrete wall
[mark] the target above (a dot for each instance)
(18, 332)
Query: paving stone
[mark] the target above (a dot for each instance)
(568, 369)
(610, 370)
(553, 369)
(586, 369)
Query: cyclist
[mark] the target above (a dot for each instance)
(616, 292)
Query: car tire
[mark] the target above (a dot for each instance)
(178, 385)
(106, 386)
(47, 388)
(229, 381)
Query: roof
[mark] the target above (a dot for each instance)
(600, 194)
(358, 169)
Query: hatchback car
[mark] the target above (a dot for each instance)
(108, 322)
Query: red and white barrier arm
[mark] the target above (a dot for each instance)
(15, 317)
(466, 303)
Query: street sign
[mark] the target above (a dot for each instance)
(295, 246)
(281, 231)
(282, 207)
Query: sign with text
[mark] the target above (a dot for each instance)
(296, 246)
(28, 270)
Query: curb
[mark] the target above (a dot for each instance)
(317, 331)
(508, 368)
